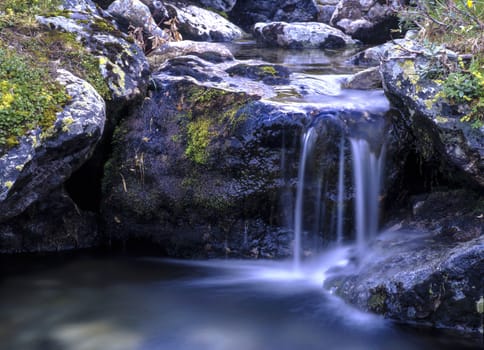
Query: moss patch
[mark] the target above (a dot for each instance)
(29, 98)
(209, 113)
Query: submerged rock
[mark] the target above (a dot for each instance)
(299, 35)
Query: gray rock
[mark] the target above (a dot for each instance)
(79, 6)
(325, 12)
(44, 159)
(373, 55)
(212, 52)
(367, 79)
(137, 14)
(196, 23)
(366, 20)
(438, 134)
(301, 35)
(123, 64)
(247, 13)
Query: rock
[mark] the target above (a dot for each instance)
(301, 35)
(52, 224)
(432, 124)
(212, 52)
(247, 13)
(367, 79)
(79, 6)
(219, 5)
(198, 24)
(198, 166)
(135, 13)
(269, 74)
(325, 12)
(122, 64)
(371, 21)
(418, 278)
(44, 159)
(372, 56)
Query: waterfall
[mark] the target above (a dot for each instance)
(341, 192)
(367, 174)
(307, 142)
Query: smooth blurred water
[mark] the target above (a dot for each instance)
(149, 303)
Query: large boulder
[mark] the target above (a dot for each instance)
(300, 35)
(247, 13)
(370, 21)
(432, 125)
(207, 166)
(44, 159)
(196, 23)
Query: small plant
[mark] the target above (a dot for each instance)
(466, 85)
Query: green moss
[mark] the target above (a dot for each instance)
(199, 135)
(53, 48)
(377, 300)
(268, 70)
(29, 97)
(209, 113)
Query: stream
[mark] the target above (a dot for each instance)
(87, 302)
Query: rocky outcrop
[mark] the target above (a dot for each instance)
(432, 124)
(247, 13)
(368, 21)
(367, 79)
(44, 159)
(196, 23)
(427, 270)
(300, 35)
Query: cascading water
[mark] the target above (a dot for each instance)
(367, 163)
(307, 143)
(367, 173)
(341, 192)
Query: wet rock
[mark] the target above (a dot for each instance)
(211, 52)
(418, 278)
(432, 124)
(367, 79)
(247, 13)
(195, 23)
(135, 13)
(44, 159)
(371, 21)
(301, 35)
(269, 74)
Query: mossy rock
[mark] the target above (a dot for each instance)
(268, 74)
